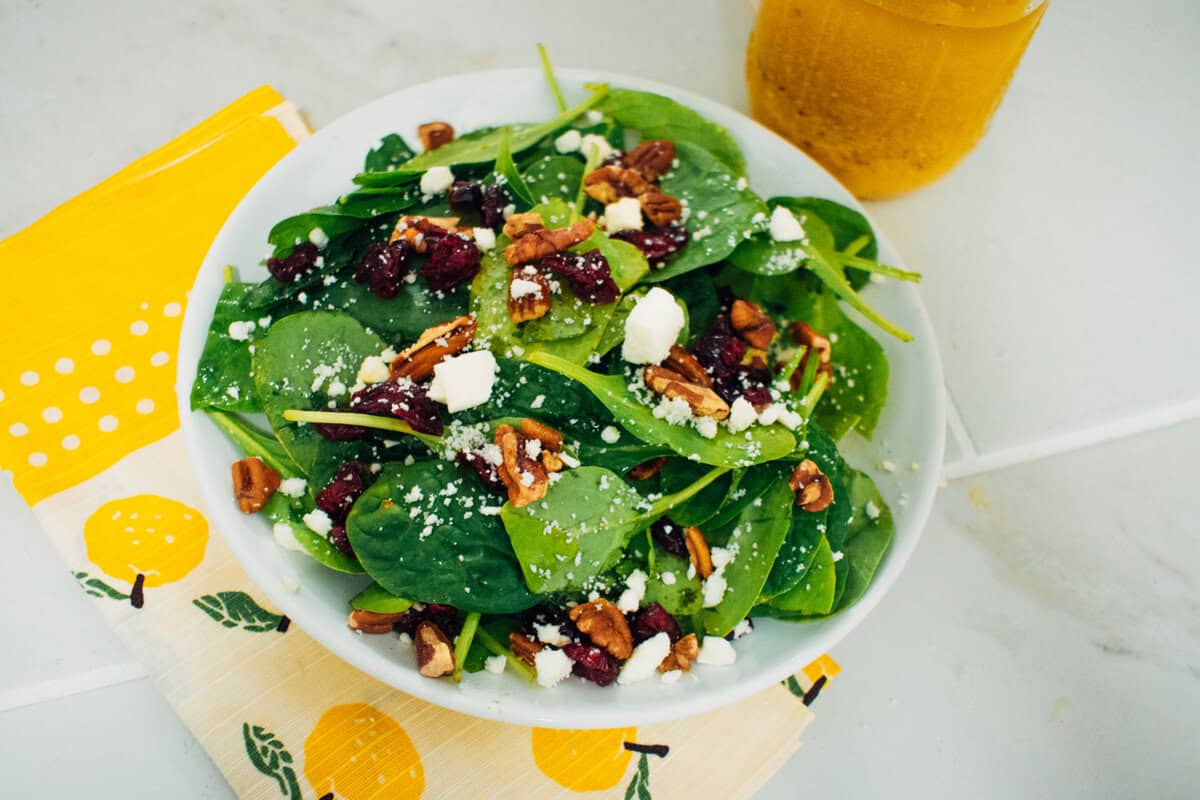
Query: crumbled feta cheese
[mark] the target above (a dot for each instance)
(714, 589)
(404, 639)
(741, 415)
(293, 487)
(373, 370)
(645, 659)
(631, 599)
(597, 145)
(672, 676)
(872, 510)
(495, 664)
(838, 556)
(716, 651)
(887, 466)
(436, 180)
(743, 628)
(610, 435)
(720, 557)
(285, 537)
(233, 392)
(551, 634)
(705, 426)
(784, 227)
(790, 419)
(668, 578)
(674, 410)
(533, 449)
(537, 401)
(623, 215)
(318, 522)
(464, 381)
(569, 141)
(552, 666)
(571, 461)
(318, 237)
(742, 184)
(485, 239)
(241, 330)
(652, 327)
(520, 287)
(771, 414)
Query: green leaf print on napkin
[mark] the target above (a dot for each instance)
(238, 610)
(270, 757)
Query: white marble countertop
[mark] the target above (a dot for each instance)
(1044, 642)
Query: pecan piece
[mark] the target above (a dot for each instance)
(543, 242)
(253, 484)
(659, 207)
(435, 656)
(651, 159)
(549, 437)
(416, 362)
(416, 230)
(703, 401)
(646, 469)
(552, 461)
(682, 654)
(697, 549)
(813, 490)
(525, 478)
(435, 134)
(683, 362)
(610, 184)
(752, 324)
(605, 625)
(528, 295)
(518, 225)
(804, 334)
(524, 647)
(372, 622)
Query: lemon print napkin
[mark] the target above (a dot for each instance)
(88, 427)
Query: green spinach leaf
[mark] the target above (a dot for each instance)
(223, 376)
(658, 117)
(506, 169)
(813, 593)
(380, 600)
(868, 539)
(390, 153)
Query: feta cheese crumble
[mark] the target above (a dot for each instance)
(569, 141)
(293, 487)
(318, 237)
(485, 239)
(610, 435)
(373, 370)
(285, 537)
(436, 180)
(741, 415)
(784, 227)
(553, 665)
(464, 381)
(495, 664)
(645, 659)
(551, 634)
(318, 522)
(623, 215)
(631, 599)
(594, 143)
(652, 327)
(241, 331)
(716, 651)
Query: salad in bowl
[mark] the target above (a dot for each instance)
(568, 392)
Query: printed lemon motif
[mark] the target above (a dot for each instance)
(357, 752)
(583, 761)
(145, 540)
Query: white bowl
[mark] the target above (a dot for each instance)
(910, 431)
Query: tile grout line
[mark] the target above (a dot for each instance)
(958, 428)
(1061, 444)
(77, 683)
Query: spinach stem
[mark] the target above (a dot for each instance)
(552, 81)
(593, 161)
(822, 264)
(814, 395)
(867, 265)
(462, 645)
(793, 363)
(810, 374)
(855, 247)
(230, 276)
(360, 420)
(650, 552)
(495, 648)
(665, 504)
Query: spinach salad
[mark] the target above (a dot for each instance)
(569, 392)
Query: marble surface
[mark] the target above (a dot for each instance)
(1045, 641)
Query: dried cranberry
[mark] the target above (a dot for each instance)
(656, 243)
(404, 400)
(720, 351)
(452, 260)
(757, 395)
(669, 537)
(288, 269)
(651, 621)
(486, 472)
(340, 433)
(349, 482)
(592, 664)
(491, 209)
(341, 541)
(733, 633)
(549, 615)
(445, 617)
(589, 275)
(383, 267)
(465, 196)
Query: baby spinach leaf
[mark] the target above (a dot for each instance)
(507, 170)
(489, 302)
(391, 152)
(429, 531)
(667, 583)
(761, 443)
(223, 376)
(614, 331)
(553, 176)
(797, 552)
(698, 293)
(721, 215)
(523, 389)
(754, 538)
(868, 539)
(378, 599)
(402, 318)
(813, 593)
(329, 220)
(477, 149)
(678, 473)
(303, 356)
(658, 117)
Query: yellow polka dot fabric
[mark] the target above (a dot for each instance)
(88, 427)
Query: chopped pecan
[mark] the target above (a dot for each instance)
(813, 490)
(651, 159)
(435, 134)
(610, 184)
(703, 401)
(755, 359)
(528, 295)
(682, 654)
(659, 207)
(518, 225)
(417, 362)
(683, 362)
(549, 437)
(697, 549)
(752, 324)
(552, 461)
(525, 478)
(544, 242)
(605, 625)
(804, 334)
(524, 647)
(372, 622)
(416, 230)
(646, 469)
(253, 484)
(435, 655)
